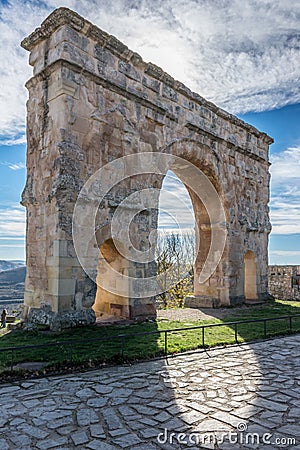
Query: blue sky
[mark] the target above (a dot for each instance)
(243, 56)
(283, 125)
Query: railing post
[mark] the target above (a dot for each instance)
(166, 342)
(291, 327)
(265, 328)
(203, 338)
(236, 333)
(123, 346)
(71, 355)
(12, 361)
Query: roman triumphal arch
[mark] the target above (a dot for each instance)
(103, 129)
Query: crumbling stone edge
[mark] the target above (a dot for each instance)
(58, 321)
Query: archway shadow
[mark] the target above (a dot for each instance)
(226, 398)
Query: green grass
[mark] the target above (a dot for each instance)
(87, 353)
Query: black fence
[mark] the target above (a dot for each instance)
(118, 342)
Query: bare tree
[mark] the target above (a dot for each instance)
(175, 254)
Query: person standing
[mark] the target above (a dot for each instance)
(3, 318)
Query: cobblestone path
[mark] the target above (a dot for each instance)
(232, 398)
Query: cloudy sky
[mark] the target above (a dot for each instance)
(242, 55)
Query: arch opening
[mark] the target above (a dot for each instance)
(250, 276)
(176, 242)
(108, 305)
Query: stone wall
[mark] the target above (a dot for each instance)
(284, 282)
(93, 101)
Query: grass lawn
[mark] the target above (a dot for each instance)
(89, 351)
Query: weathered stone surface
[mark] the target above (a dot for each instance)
(97, 431)
(249, 367)
(92, 101)
(52, 443)
(59, 321)
(4, 445)
(284, 282)
(33, 431)
(97, 402)
(79, 438)
(86, 416)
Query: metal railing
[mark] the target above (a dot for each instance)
(120, 350)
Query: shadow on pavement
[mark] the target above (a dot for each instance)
(237, 397)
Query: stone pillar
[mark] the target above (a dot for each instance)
(54, 178)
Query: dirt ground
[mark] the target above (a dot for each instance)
(192, 314)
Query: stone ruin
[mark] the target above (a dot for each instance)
(92, 101)
(284, 282)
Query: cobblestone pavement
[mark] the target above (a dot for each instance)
(252, 391)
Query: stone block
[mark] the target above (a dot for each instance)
(82, 125)
(142, 310)
(129, 70)
(66, 286)
(196, 301)
(64, 302)
(63, 87)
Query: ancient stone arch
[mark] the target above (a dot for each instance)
(92, 101)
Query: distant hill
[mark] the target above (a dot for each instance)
(12, 283)
(13, 276)
(11, 264)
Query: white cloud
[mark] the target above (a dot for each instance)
(285, 253)
(241, 55)
(14, 166)
(13, 140)
(285, 192)
(17, 166)
(12, 245)
(17, 19)
(286, 168)
(175, 206)
(3, 238)
(12, 222)
(282, 257)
